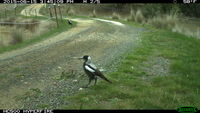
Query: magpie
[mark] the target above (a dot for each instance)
(91, 70)
(69, 22)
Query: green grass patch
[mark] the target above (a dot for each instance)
(63, 26)
(130, 91)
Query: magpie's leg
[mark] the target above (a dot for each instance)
(90, 79)
(95, 80)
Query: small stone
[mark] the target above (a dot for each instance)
(132, 67)
(25, 82)
(54, 83)
(80, 89)
(59, 67)
(75, 80)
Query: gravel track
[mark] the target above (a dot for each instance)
(40, 66)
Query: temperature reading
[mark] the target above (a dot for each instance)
(94, 1)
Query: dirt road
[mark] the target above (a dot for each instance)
(41, 65)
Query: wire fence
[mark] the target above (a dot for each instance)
(23, 23)
(12, 8)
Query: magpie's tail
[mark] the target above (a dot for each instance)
(103, 77)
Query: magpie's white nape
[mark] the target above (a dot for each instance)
(69, 22)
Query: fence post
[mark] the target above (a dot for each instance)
(15, 10)
(26, 13)
(5, 13)
(60, 12)
(56, 14)
(50, 12)
(35, 13)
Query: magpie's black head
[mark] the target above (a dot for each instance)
(86, 57)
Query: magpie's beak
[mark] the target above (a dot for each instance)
(78, 57)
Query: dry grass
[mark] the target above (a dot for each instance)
(93, 14)
(188, 27)
(132, 16)
(17, 36)
(115, 16)
(139, 17)
(5, 37)
(136, 16)
(187, 31)
(11, 34)
(8, 20)
(32, 27)
(159, 21)
(70, 11)
(166, 21)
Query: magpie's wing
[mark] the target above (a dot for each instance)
(92, 65)
(89, 68)
(92, 68)
(98, 73)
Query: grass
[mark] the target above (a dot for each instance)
(53, 32)
(133, 88)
